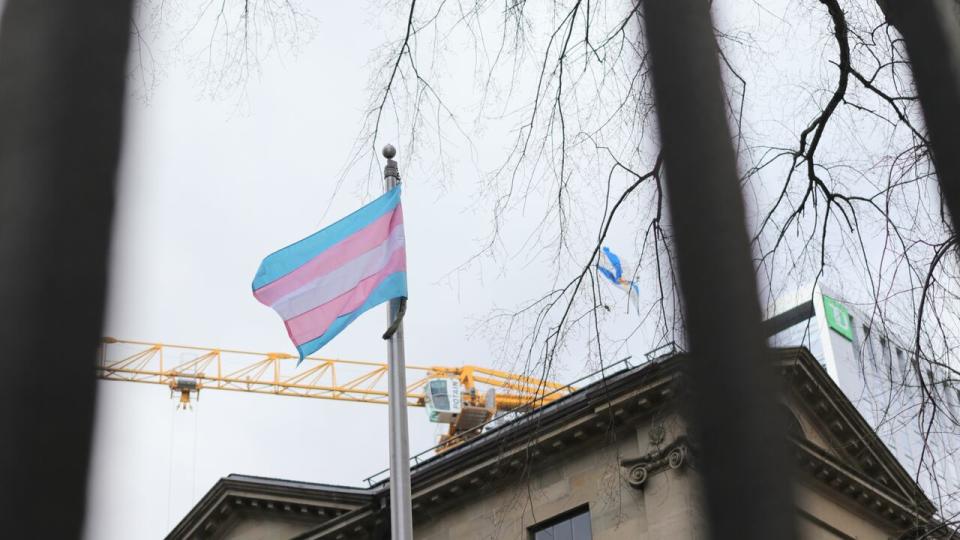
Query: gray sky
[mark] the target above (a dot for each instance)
(210, 186)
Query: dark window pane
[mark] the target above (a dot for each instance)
(576, 527)
(581, 527)
(438, 391)
(546, 534)
(563, 530)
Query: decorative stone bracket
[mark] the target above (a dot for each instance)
(672, 456)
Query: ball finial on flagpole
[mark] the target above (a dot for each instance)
(391, 173)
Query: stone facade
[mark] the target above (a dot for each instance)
(622, 451)
(589, 475)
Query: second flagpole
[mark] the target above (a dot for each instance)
(401, 517)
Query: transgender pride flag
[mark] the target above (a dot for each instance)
(322, 283)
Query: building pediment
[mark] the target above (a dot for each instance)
(835, 431)
(239, 502)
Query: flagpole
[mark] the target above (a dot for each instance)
(401, 517)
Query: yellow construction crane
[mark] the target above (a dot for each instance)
(464, 397)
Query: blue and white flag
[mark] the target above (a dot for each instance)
(615, 273)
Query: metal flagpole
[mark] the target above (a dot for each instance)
(401, 518)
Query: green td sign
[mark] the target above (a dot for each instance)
(838, 318)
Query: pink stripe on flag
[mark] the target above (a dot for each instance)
(339, 281)
(332, 258)
(314, 323)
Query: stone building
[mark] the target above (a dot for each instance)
(610, 461)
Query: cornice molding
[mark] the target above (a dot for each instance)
(852, 437)
(299, 501)
(858, 488)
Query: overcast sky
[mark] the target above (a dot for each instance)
(209, 185)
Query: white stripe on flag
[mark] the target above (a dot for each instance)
(337, 282)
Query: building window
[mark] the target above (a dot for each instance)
(438, 391)
(574, 525)
(870, 355)
(886, 355)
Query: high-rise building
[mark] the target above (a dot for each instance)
(913, 406)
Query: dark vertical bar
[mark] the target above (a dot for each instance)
(931, 31)
(743, 449)
(62, 76)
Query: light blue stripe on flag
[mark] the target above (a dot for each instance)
(393, 286)
(288, 259)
